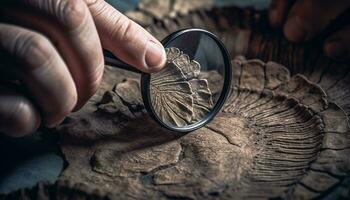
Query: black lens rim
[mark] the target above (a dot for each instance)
(146, 78)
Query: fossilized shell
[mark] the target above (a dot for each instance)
(277, 136)
(178, 96)
(165, 8)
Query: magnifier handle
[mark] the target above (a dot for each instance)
(113, 61)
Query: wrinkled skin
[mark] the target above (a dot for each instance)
(51, 59)
(303, 20)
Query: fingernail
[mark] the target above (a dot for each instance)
(155, 55)
(294, 31)
(336, 49)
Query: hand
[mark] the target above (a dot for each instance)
(304, 19)
(52, 50)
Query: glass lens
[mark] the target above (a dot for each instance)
(186, 91)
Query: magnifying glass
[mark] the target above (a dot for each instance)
(193, 85)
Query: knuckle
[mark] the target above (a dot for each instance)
(125, 30)
(35, 49)
(38, 44)
(24, 118)
(93, 2)
(71, 12)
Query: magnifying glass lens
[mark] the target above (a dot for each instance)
(186, 91)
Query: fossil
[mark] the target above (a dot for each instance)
(280, 135)
(165, 8)
(178, 95)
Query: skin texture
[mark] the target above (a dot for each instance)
(302, 20)
(51, 59)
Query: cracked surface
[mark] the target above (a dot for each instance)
(280, 134)
(246, 32)
(277, 136)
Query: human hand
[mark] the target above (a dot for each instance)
(52, 49)
(304, 19)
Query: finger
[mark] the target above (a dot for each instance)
(18, 116)
(70, 27)
(309, 17)
(126, 39)
(278, 12)
(337, 46)
(41, 70)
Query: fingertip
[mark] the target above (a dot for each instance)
(155, 56)
(126, 39)
(308, 18)
(28, 125)
(25, 121)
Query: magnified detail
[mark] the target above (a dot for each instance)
(180, 97)
(193, 85)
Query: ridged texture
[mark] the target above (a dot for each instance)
(280, 134)
(178, 95)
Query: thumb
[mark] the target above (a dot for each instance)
(126, 39)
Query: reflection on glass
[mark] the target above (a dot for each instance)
(188, 92)
(180, 93)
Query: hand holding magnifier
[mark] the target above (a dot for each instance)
(192, 87)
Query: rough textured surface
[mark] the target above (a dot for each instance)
(277, 136)
(178, 95)
(58, 190)
(246, 32)
(280, 134)
(149, 9)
